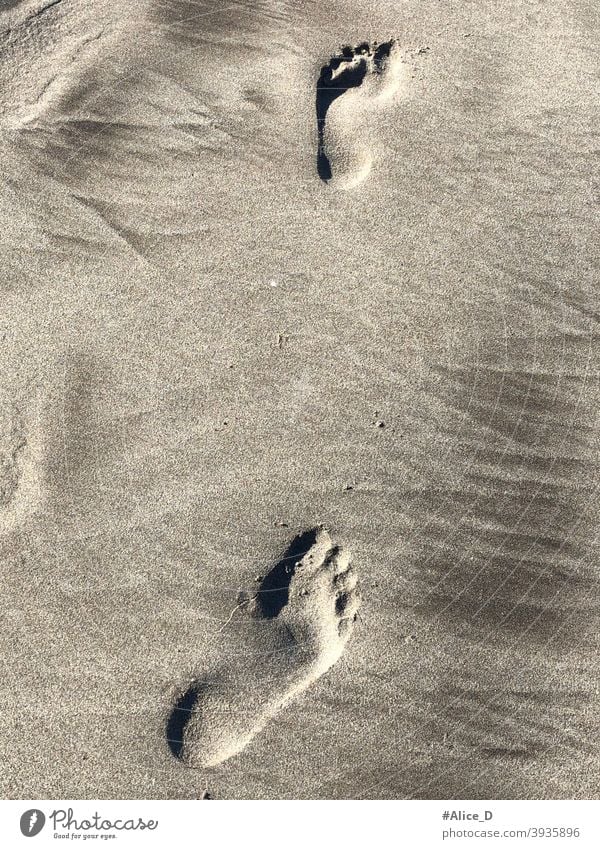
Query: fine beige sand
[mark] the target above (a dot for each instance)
(299, 438)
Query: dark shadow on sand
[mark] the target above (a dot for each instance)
(274, 591)
(179, 718)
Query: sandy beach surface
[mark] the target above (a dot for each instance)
(299, 399)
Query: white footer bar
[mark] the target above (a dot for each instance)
(287, 824)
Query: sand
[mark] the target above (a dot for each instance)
(212, 348)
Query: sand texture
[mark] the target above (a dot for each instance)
(299, 438)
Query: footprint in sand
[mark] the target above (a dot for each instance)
(305, 610)
(350, 88)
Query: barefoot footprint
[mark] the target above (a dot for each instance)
(305, 610)
(348, 89)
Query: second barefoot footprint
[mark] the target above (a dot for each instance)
(350, 91)
(305, 610)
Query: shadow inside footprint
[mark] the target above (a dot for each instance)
(178, 720)
(332, 83)
(273, 593)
